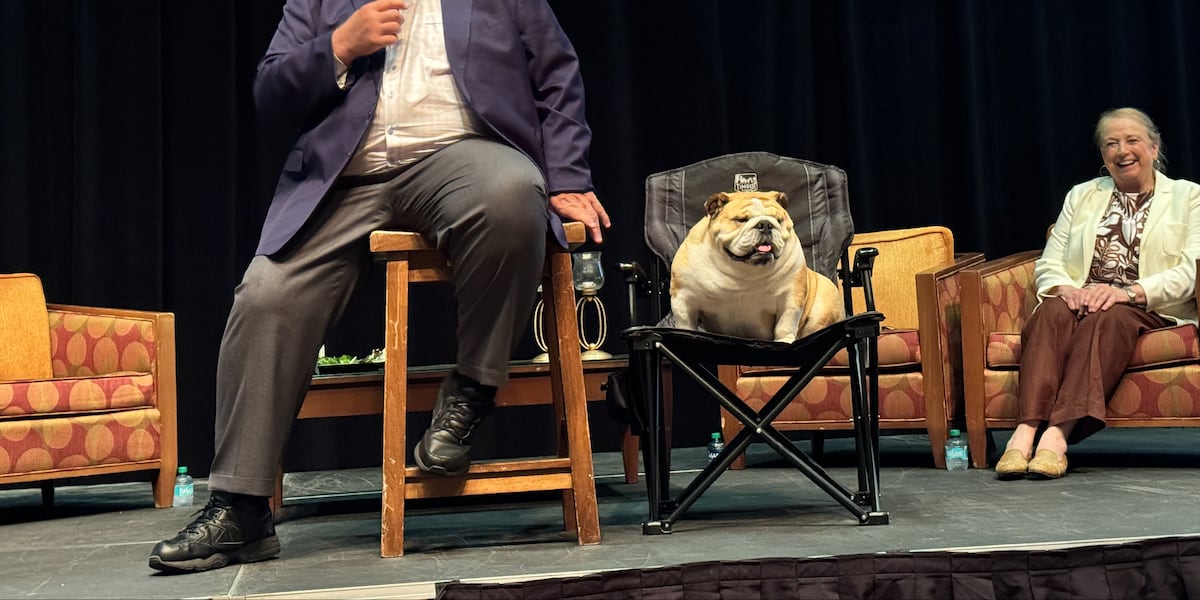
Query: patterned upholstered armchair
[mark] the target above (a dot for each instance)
(84, 391)
(920, 380)
(1161, 387)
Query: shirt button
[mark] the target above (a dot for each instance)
(391, 130)
(391, 94)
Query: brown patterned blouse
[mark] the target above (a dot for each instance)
(1119, 239)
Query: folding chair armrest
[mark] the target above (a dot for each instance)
(859, 275)
(637, 285)
(636, 278)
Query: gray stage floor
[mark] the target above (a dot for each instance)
(1125, 484)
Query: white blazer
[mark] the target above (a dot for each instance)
(1170, 244)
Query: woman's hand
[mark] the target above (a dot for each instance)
(585, 208)
(1092, 298)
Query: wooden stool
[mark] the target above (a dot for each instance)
(410, 259)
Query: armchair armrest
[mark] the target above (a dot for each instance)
(997, 295)
(939, 328)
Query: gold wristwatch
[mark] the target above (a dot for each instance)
(1132, 294)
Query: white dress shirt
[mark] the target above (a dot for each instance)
(420, 109)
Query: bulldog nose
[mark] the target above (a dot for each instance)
(763, 225)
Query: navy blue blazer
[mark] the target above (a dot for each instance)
(512, 63)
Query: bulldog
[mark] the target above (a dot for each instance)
(741, 272)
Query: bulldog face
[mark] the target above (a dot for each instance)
(752, 227)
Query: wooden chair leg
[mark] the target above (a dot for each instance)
(629, 455)
(163, 486)
(566, 378)
(817, 441)
(395, 405)
(276, 501)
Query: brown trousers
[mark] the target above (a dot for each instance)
(1070, 365)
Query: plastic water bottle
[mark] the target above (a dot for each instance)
(956, 452)
(185, 489)
(715, 446)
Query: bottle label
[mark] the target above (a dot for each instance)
(956, 454)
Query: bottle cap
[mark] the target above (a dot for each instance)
(716, 436)
(182, 470)
(954, 433)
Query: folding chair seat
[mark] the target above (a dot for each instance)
(819, 207)
(411, 258)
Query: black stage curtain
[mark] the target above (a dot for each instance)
(1155, 568)
(134, 173)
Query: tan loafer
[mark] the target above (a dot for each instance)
(1012, 465)
(1047, 464)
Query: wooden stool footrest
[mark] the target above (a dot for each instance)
(500, 477)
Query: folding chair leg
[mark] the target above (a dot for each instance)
(866, 425)
(761, 425)
(756, 425)
(646, 364)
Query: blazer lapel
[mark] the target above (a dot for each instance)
(1161, 203)
(456, 21)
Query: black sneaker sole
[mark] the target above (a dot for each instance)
(425, 464)
(264, 549)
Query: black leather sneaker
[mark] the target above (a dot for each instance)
(232, 528)
(461, 404)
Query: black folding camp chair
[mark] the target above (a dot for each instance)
(819, 206)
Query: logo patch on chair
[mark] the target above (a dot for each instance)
(745, 182)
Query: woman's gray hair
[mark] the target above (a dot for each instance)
(1160, 163)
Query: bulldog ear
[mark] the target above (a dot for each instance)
(781, 198)
(715, 203)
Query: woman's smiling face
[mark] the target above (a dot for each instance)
(1128, 154)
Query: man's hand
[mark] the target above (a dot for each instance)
(374, 26)
(584, 208)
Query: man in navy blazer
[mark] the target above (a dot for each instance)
(461, 119)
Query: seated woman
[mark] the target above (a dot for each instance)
(1120, 260)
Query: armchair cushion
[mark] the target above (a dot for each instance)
(24, 342)
(66, 443)
(76, 394)
(898, 349)
(826, 400)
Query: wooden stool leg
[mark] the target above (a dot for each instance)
(395, 405)
(629, 455)
(276, 500)
(566, 379)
